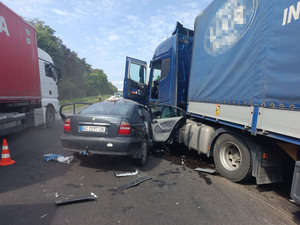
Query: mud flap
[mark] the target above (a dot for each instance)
(267, 165)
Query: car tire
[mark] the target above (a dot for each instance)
(232, 158)
(50, 116)
(144, 152)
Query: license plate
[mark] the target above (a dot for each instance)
(99, 129)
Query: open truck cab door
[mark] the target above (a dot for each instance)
(135, 85)
(166, 119)
(169, 72)
(162, 84)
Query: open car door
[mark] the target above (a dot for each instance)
(166, 121)
(135, 85)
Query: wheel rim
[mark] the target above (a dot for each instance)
(230, 156)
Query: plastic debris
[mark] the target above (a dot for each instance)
(51, 157)
(205, 170)
(135, 182)
(58, 158)
(65, 159)
(56, 195)
(85, 153)
(75, 200)
(43, 216)
(127, 174)
(93, 194)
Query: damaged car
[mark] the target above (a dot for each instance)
(119, 127)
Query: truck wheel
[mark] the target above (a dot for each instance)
(144, 151)
(50, 116)
(232, 158)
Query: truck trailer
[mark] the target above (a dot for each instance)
(28, 77)
(237, 76)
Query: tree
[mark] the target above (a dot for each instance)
(79, 79)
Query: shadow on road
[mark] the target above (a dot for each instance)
(18, 213)
(27, 148)
(122, 164)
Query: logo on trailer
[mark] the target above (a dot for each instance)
(230, 23)
(3, 26)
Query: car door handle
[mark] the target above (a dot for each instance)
(154, 121)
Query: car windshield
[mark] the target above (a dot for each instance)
(109, 108)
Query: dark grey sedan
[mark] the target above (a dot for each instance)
(119, 127)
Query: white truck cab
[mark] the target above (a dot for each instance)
(49, 77)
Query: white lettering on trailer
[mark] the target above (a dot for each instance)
(289, 13)
(3, 26)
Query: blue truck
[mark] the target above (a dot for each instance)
(237, 75)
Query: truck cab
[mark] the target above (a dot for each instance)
(50, 76)
(169, 72)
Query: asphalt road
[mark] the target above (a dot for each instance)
(176, 194)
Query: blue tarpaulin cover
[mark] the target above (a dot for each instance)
(247, 52)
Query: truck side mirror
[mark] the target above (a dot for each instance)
(59, 76)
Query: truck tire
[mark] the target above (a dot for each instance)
(144, 151)
(232, 158)
(50, 116)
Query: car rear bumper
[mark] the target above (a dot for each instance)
(119, 146)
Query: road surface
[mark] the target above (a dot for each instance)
(176, 194)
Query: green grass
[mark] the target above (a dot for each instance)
(91, 99)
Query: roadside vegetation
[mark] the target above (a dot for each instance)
(90, 99)
(79, 78)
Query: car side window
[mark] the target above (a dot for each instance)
(160, 112)
(140, 112)
(166, 112)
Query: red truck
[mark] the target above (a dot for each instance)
(28, 77)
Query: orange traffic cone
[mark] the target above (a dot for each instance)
(6, 160)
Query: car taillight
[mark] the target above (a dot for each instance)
(67, 127)
(124, 128)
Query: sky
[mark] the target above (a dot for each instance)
(104, 32)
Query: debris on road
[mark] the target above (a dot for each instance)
(93, 194)
(56, 195)
(51, 157)
(135, 182)
(58, 158)
(205, 170)
(75, 200)
(43, 216)
(65, 159)
(126, 174)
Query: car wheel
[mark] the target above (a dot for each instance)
(144, 152)
(50, 116)
(232, 158)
